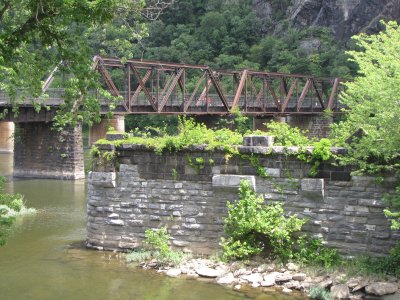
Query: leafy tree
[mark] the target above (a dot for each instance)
(372, 101)
(35, 36)
(373, 108)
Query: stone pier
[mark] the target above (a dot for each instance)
(317, 126)
(6, 137)
(99, 130)
(42, 152)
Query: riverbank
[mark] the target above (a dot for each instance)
(288, 278)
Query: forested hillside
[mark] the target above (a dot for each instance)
(234, 34)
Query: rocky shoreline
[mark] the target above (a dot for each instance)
(288, 278)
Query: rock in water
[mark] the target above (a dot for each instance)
(381, 288)
(227, 279)
(253, 278)
(299, 277)
(283, 277)
(174, 272)
(286, 291)
(340, 291)
(292, 267)
(269, 280)
(208, 272)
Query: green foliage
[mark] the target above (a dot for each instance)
(253, 227)
(153, 125)
(286, 135)
(377, 266)
(189, 133)
(373, 106)
(321, 152)
(393, 210)
(94, 151)
(11, 205)
(197, 163)
(158, 239)
(319, 293)
(313, 252)
(228, 35)
(372, 102)
(175, 174)
(138, 256)
(35, 36)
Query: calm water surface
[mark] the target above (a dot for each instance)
(44, 257)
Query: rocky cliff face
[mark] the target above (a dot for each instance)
(344, 17)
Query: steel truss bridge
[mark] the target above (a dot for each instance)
(152, 87)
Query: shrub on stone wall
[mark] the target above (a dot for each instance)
(253, 227)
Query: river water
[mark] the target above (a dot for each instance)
(45, 257)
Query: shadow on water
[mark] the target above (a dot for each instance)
(45, 257)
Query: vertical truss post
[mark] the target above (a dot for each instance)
(128, 92)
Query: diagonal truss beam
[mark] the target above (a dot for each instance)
(303, 94)
(107, 79)
(333, 93)
(318, 94)
(203, 94)
(170, 89)
(218, 89)
(149, 97)
(139, 88)
(273, 94)
(193, 95)
(258, 94)
(239, 90)
(289, 95)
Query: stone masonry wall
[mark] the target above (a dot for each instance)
(147, 190)
(317, 126)
(42, 152)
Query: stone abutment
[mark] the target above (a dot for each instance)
(188, 192)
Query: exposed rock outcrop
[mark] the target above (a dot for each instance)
(344, 17)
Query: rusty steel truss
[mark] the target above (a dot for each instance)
(150, 87)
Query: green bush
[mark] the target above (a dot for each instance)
(321, 152)
(11, 205)
(253, 227)
(158, 240)
(312, 251)
(285, 135)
